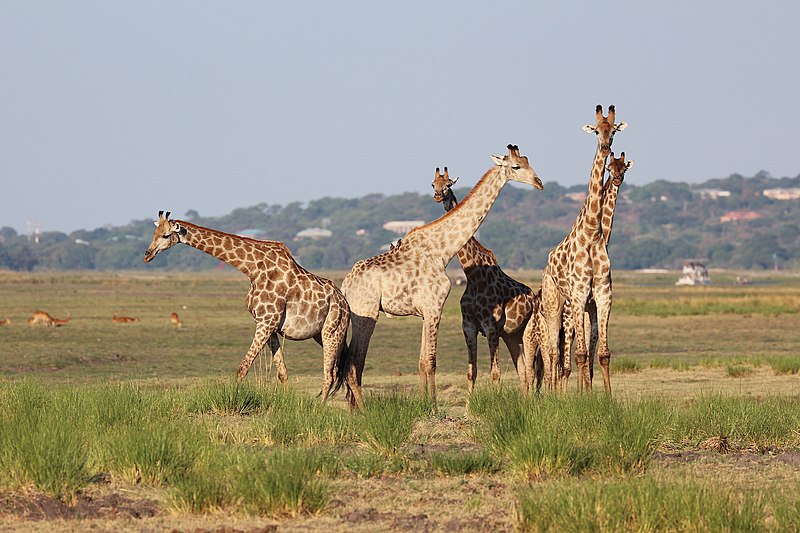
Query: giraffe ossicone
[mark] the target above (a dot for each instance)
(578, 270)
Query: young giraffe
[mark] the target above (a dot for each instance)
(411, 280)
(577, 266)
(493, 303)
(617, 167)
(284, 298)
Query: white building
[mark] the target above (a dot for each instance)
(783, 194)
(712, 194)
(402, 226)
(313, 233)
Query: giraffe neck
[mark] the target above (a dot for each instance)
(610, 193)
(239, 252)
(445, 236)
(589, 217)
(472, 253)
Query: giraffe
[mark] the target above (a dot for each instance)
(411, 280)
(284, 298)
(617, 167)
(577, 266)
(493, 303)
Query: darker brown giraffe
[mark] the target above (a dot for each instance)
(411, 280)
(577, 267)
(284, 298)
(493, 304)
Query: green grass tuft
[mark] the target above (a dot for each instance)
(638, 504)
(387, 420)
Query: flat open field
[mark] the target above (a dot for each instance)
(714, 368)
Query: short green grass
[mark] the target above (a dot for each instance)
(147, 405)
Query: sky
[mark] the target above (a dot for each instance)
(112, 111)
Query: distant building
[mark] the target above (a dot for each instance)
(783, 194)
(402, 226)
(737, 216)
(313, 233)
(712, 194)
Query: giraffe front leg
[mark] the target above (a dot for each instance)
(590, 331)
(530, 345)
(427, 355)
(603, 353)
(565, 338)
(263, 331)
(551, 353)
(471, 339)
(277, 357)
(579, 339)
(493, 340)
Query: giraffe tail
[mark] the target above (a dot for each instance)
(341, 366)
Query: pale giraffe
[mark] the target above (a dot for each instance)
(493, 303)
(411, 280)
(284, 298)
(617, 167)
(577, 266)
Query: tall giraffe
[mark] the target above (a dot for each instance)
(284, 297)
(577, 266)
(411, 280)
(493, 304)
(617, 167)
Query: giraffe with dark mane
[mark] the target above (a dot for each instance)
(493, 304)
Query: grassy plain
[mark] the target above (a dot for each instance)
(149, 432)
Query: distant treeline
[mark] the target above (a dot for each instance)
(657, 225)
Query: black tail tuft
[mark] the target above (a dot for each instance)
(341, 365)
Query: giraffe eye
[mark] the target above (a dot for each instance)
(165, 236)
(515, 167)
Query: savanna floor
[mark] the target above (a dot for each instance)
(696, 373)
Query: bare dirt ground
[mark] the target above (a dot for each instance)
(385, 503)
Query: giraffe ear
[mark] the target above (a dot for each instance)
(628, 164)
(621, 126)
(155, 223)
(589, 128)
(497, 160)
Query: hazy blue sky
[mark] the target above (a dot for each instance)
(112, 110)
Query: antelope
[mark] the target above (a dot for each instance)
(5, 322)
(123, 319)
(176, 321)
(43, 317)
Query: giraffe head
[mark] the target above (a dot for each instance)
(617, 168)
(516, 167)
(167, 233)
(442, 189)
(605, 127)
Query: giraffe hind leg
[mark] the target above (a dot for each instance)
(277, 357)
(471, 339)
